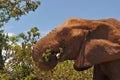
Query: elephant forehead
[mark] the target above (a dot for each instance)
(76, 32)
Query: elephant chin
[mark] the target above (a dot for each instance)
(46, 66)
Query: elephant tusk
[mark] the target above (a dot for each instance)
(58, 55)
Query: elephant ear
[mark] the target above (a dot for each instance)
(97, 51)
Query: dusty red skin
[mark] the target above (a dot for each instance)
(88, 43)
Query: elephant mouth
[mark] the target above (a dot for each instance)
(50, 55)
(49, 59)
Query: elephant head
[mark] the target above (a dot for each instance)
(67, 42)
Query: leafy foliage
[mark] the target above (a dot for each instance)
(16, 8)
(65, 71)
(12, 9)
(20, 67)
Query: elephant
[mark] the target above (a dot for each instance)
(87, 42)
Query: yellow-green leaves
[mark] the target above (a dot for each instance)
(59, 54)
(61, 50)
(45, 55)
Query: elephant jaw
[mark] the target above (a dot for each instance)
(80, 68)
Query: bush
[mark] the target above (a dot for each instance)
(65, 71)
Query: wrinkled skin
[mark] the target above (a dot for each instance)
(87, 42)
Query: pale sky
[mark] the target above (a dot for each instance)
(52, 13)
